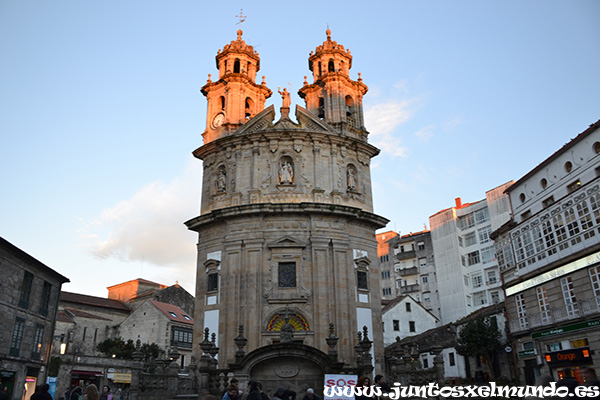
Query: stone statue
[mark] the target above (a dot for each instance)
(286, 173)
(285, 95)
(220, 183)
(351, 179)
(287, 331)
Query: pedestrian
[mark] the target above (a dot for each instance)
(41, 393)
(363, 382)
(232, 393)
(106, 393)
(76, 393)
(91, 393)
(279, 394)
(4, 393)
(253, 392)
(263, 395)
(310, 395)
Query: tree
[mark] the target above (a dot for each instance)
(480, 337)
(151, 351)
(119, 348)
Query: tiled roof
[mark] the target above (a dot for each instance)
(139, 280)
(64, 317)
(174, 313)
(68, 297)
(83, 314)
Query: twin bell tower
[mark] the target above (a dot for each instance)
(287, 256)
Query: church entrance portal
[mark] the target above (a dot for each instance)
(291, 373)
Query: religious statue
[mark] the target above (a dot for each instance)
(351, 179)
(286, 173)
(220, 183)
(285, 95)
(287, 331)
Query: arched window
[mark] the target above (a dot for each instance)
(321, 113)
(249, 107)
(331, 66)
(349, 105)
(236, 66)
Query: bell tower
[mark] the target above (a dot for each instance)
(333, 96)
(235, 97)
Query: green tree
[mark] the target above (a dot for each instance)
(150, 351)
(117, 347)
(480, 337)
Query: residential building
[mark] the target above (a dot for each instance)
(467, 271)
(29, 292)
(414, 269)
(386, 265)
(404, 316)
(549, 255)
(164, 324)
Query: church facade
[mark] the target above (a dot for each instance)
(286, 233)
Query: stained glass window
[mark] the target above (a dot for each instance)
(287, 274)
(297, 321)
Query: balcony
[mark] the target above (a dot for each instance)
(407, 271)
(409, 289)
(403, 255)
(553, 316)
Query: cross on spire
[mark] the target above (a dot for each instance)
(242, 18)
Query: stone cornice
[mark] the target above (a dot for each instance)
(337, 210)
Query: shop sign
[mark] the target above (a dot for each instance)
(527, 353)
(121, 378)
(7, 374)
(565, 329)
(568, 356)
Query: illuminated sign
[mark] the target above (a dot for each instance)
(568, 356)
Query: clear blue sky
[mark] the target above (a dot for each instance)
(100, 110)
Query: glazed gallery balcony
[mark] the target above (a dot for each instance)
(555, 315)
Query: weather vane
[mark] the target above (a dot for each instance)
(242, 17)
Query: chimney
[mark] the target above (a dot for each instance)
(458, 202)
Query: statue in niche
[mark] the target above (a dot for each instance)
(286, 173)
(287, 330)
(285, 96)
(351, 178)
(221, 181)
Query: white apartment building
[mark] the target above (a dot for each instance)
(549, 255)
(468, 277)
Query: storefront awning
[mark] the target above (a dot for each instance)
(88, 373)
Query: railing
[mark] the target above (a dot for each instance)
(409, 288)
(407, 271)
(556, 315)
(403, 255)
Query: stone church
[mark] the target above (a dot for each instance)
(287, 256)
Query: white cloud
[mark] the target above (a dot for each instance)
(425, 133)
(149, 227)
(382, 120)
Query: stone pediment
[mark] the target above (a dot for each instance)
(286, 242)
(263, 121)
(308, 120)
